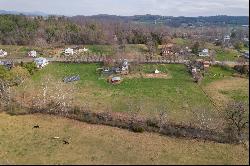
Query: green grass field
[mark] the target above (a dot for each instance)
(227, 55)
(181, 42)
(95, 144)
(177, 95)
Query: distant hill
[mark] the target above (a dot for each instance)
(36, 13)
(174, 21)
(154, 19)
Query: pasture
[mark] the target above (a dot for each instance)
(177, 94)
(20, 143)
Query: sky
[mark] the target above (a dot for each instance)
(131, 7)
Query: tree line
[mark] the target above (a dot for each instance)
(57, 31)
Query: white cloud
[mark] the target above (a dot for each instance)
(131, 7)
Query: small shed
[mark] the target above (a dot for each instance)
(157, 71)
(115, 79)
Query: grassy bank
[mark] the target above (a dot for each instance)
(93, 144)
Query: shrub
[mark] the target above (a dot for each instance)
(31, 67)
(137, 127)
(5, 74)
(20, 73)
(152, 122)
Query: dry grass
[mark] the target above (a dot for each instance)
(230, 84)
(93, 144)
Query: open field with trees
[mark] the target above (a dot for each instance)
(177, 94)
(95, 144)
(191, 113)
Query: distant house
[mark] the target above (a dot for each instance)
(204, 53)
(69, 51)
(7, 64)
(246, 54)
(125, 65)
(41, 62)
(246, 41)
(3, 53)
(226, 38)
(32, 54)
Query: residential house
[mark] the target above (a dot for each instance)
(246, 41)
(41, 62)
(204, 53)
(3, 53)
(32, 54)
(226, 38)
(246, 54)
(69, 51)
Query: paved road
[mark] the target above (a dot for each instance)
(94, 60)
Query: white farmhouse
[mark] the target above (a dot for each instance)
(226, 38)
(69, 51)
(41, 62)
(3, 53)
(32, 54)
(204, 53)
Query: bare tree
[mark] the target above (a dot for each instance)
(236, 117)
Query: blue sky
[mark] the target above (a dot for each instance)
(131, 7)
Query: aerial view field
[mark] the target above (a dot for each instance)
(136, 83)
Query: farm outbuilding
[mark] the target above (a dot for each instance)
(115, 80)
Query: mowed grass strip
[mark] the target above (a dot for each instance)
(20, 143)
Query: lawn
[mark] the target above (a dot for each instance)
(227, 55)
(217, 73)
(181, 41)
(20, 143)
(178, 95)
(100, 49)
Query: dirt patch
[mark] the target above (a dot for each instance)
(148, 75)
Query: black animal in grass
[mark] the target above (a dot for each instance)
(65, 142)
(36, 126)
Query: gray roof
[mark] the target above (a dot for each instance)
(116, 78)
